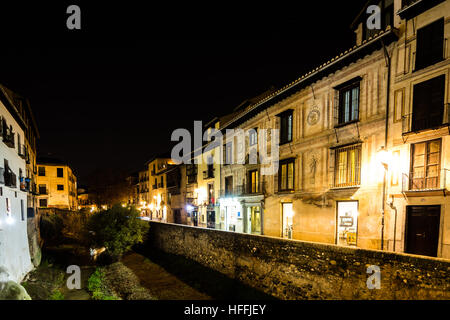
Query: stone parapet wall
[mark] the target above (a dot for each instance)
(289, 269)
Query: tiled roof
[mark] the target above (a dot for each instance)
(312, 73)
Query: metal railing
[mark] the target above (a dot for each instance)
(255, 188)
(8, 136)
(232, 191)
(419, 181)
(411, 123)
(208, 174)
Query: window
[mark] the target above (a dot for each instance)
(253, 179)
(60, 172)
(162, 182)
(43, 203)
(228, 185)
(191, 173)
(348, 168)
(41, 171)
(286, 126)
(229, 153)
(286, 175)
(430, 44)
(428, 104)
(42, 189)
(60, 187)
(253, 136)
(348, 110)
(425, 165)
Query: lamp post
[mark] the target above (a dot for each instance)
(384, 159)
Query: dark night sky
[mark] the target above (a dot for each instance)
(111, 94)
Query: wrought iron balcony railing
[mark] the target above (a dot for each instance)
(411, 123)
(208, 174)
(419, 181)
(8, 136)
(232, 191)
(255, 188)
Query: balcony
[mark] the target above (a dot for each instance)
(411, 124)
(232, 192)
(208, 174)
(255, 188)
(10, 178)
(417, 183)
(8, 136)
(412, 8)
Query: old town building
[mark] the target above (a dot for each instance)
(57, 184)
(159, 197)
(15, 122)
(417, 169)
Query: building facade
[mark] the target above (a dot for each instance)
(57, 185)
(15, 259)
(417, 172)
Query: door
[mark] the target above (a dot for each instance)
(255, 219)
(177, 216)
(347, 223)
(195, 218)
(211, 219)
(422, 230)
(288, 220)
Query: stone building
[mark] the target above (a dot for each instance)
(352, 170)
(159, 197)
(57, 184)
(143, 189)
(417, 170)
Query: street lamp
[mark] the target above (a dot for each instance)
(385, 159)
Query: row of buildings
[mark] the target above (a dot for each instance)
(364, 147)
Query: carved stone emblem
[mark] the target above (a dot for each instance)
(313, 116)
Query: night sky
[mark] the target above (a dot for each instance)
(110, 95)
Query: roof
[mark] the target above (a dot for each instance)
(10, 98)
(384, 37)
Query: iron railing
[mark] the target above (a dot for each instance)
(411, 123)
(208, 174)
(232, 191)
(419, 181)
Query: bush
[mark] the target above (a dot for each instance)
(97, 287)
(117, 229)
(56, 295)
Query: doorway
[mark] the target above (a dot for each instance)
(288, 220)
(422, 230)
(195, 218)
(347, 223)
(211, 219)
(177, 216)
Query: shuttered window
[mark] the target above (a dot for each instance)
(430, 44)
(428, 104)
(425, 165)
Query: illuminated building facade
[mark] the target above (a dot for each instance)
(159, 204)
(15, 259)
(57, 184)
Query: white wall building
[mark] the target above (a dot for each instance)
(15, 261)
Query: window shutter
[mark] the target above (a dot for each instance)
(336, 108)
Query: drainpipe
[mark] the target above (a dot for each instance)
(388, 85)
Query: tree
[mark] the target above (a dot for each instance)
(117, 229)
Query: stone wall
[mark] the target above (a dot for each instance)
(290, 269)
